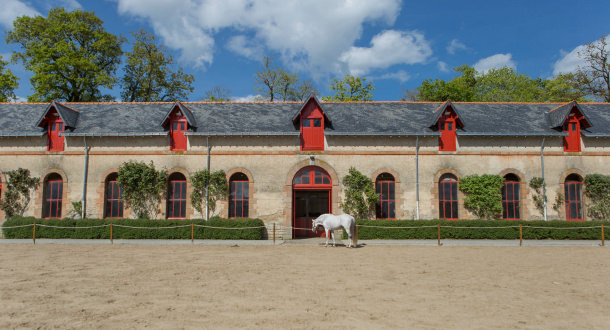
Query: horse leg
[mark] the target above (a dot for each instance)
(332, 232)
(349, 237)
(326, 230)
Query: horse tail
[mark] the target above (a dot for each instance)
(354, 233)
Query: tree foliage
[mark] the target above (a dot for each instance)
(597, 189)
(70, 53)
(483, 194)
(148, 73)
(360, 196)
(8, 83)
(18, 194)
(498, 85)
(143, 187)
(595, 75)
(215, 182)
(350, 89)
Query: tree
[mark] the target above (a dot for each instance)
(360, 197)
(143, 187)
(497, 85)
(19, 188)
(268, 80)
(148, 74)
(483, 194)
(304, 89)
(538, 185)
(70, 53)
(595, 76)
(350, 89)
(216, 183)
(217, 94)
(8, 83)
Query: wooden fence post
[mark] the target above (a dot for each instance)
(603, 238)
(520, 235)
(439, 234)
(34, 233)
(111, 240)
(274, 233)
(192, 233)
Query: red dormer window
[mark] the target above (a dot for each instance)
(571, 143)
(312, 129)
(446, 124)
(55, 125)
(178, 126)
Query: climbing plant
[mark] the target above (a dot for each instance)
(143, 187)
(217, 189)
(597, 190)
(360, 196)
(19, 188)
(483, 194)
(537, 184)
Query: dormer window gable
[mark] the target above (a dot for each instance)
(178, 120)
(446, 120)
(570, 118)
(56, 118)
(311, 121)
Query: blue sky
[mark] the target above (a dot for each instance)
(395, 44)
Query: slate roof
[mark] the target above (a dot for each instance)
(558, 115)
(68, 115)
(349, 118)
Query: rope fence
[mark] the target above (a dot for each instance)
(291, 229)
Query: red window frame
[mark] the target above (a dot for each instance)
(55, 142)
(447, 198)
(53, 199)
(573, 200)
(178, 141)
(114, 200)
(386, 206)
(176, 199)
(571, 143)
(312, 177)
(511, 203)
(446, 142)
(239, 198)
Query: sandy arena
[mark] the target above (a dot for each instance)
(303, 286)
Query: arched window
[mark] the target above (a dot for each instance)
(53, 192)
(511, 197)
(176, 197)
(386, 206)
(573, 196)
(447, 197)
(239, 192)
(113, 205)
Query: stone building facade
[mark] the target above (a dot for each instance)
(285, 161)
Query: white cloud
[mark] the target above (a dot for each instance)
(245, 47)
(495, 62)
(442, 66)
(247, 98)
(569, 62)
(400, 75)
(12, 9)
(454, 46)
(388, 48)
(309, 35)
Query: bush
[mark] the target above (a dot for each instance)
(135, 233)
(422, 232)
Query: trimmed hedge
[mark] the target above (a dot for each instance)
(491, 233)
(135, 233)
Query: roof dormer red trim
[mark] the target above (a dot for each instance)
(312, 120)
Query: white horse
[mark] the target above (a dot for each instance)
(331, 222)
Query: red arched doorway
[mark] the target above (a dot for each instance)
(311, 197)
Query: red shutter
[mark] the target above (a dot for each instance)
(55, 142)
(446, 142)
(571, 143)
(177, 137)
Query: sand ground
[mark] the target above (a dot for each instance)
(304, 286)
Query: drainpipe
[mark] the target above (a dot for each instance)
(543, 180)
(207, 184)
(84, 200)
(417, 177)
